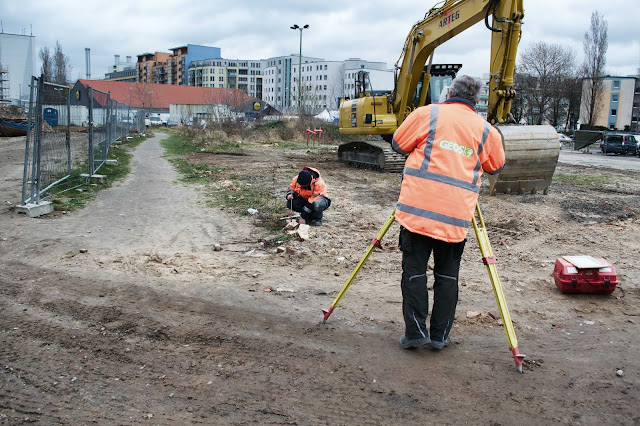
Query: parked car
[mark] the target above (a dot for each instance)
(618, 143)
(637, 137)
(564, 139)
(155, 121)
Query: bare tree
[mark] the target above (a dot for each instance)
(547, 65)
(222, 104)
(61, 68)
(47, 63)
(142, 95)
(572, 89)
(518, 105)
(595, 50)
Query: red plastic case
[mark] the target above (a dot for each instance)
(597, 280)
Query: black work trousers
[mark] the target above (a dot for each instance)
(416, 250)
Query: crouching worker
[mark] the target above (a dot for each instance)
(308, 196)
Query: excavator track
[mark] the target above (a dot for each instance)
(371, 154)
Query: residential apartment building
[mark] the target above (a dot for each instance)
(322, 83)
(171, 68)
(151, 65)
(277, 80)
(242, 74)
(619, 104)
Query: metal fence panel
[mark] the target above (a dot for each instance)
(53, 152)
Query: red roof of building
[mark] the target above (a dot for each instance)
(160, 96)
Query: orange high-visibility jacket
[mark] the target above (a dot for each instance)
(317, 189)
(449, 146)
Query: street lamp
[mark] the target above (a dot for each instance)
(296, 27)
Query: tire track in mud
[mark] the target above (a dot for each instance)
(211, 355)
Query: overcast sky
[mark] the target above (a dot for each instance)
(339, 30)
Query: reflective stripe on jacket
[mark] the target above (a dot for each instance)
(449, 146)
(317, 189)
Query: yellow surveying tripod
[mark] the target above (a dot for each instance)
(487, 258)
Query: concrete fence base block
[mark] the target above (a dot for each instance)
(95, 178)
(111, 162)
(36, 210)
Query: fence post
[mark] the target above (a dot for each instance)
(109, 124)
(90, 106)
(38, 137)
(28, 140)
(69, 132)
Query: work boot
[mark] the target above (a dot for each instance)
(317, 222)
(437, 345)
(413, 343)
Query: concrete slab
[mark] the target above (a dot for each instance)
(95, 178)
(36, 210)
(111, 162)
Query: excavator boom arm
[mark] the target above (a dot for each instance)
(443, 23)
(531, 152)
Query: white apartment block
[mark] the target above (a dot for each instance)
(275, 80)
(241, 74)
(322, 83)
(278, 80)
(320, 87)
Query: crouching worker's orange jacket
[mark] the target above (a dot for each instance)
(316, 190)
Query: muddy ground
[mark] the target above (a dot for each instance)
(122, 313)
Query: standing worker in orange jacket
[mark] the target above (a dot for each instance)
(308, 195)
(448, 146)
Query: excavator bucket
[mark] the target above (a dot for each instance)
(531, 154)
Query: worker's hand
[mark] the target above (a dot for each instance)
(290, 197)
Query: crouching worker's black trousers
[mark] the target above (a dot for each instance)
(416, 250)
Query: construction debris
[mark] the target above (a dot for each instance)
(303, 231)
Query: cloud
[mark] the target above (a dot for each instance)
(245, 29)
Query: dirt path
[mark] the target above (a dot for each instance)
(122, 312)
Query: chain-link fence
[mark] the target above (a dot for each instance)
(56, 153)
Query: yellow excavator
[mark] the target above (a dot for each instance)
(531, 151)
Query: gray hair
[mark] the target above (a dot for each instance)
(466, 87)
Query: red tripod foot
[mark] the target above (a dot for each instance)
(327, 313)
(518, 357)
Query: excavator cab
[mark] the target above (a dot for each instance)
(370, 109)
(440, 78)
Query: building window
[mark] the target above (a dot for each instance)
(613, 112)
(614, 97)
(616, 84)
